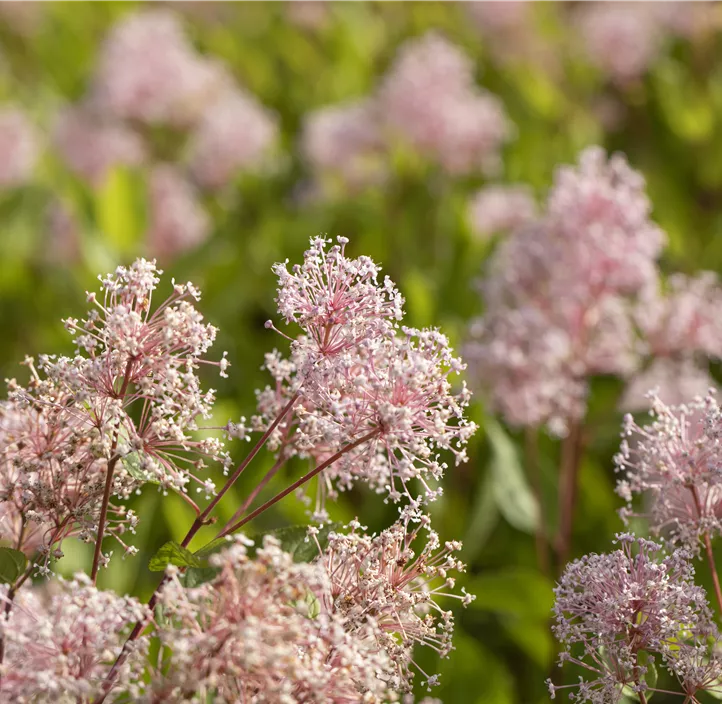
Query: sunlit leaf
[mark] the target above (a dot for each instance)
(12, 565)
(172, 553)
(511, 489)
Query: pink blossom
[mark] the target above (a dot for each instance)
(58, 648)
(299, 651)
(234, 135)
(19, 148)
(617, 604)
(623, 38)
(92, 145)
(674, 381)
(497, 209)
(345, 142)
(149, 71)
(385, 576)
(430, 101)
(677, 460)
(178, 221)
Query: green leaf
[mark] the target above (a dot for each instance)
(511, 490)
(12, 565)
(293, 539)
(199, 575)
(213, 547)
(513, 591)
(134, 466)
(173, 554)
(485, 516)
(117, 204)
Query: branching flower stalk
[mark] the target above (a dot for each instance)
(353, 391)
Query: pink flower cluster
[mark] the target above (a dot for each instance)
(360, 397)
(59, 644)
(379, 396)
(429, 102)
(496, 209)
(559, 294)
(125, 406)
(19, 147)
(676, 461)
(622, 607)
(341, 629)
(682, 331)
(148, 76)
(623, 39)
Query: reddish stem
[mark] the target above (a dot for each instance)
(299, 482)
(569, 471)
(708, 550)
(540, 537)
(261, 485)
(109, 481)
(197, 524)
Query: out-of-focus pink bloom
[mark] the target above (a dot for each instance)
(496, 16)
(600, 211)
(674, 381)
(149, 71)
(621, 38)
(258, 633)
(92, 145)
(684, 318)
(677, 459)
(60, 648)
(178, 221)
(345, 142)
(559, 294)
(24, 18)
(496, 209)
(234, 135)
(19, 148)
(63, 244)
(429, 100)
(308, 14)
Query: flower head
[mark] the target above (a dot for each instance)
(58, 648)
(612, 608)
(677, 459)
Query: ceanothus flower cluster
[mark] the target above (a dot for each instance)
(258, 632)
(59, 644)
(383, 577)
(378, 397)
(560, 291)
(676, 461)
(122, 410)
(361, 397)
(617, 612)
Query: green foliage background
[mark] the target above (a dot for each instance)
(416, 226)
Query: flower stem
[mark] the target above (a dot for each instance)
(299, 482)
(569, 471)
(708, 550)
(109, 481)
(713, 570)
(540, 537)
(197, 524)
